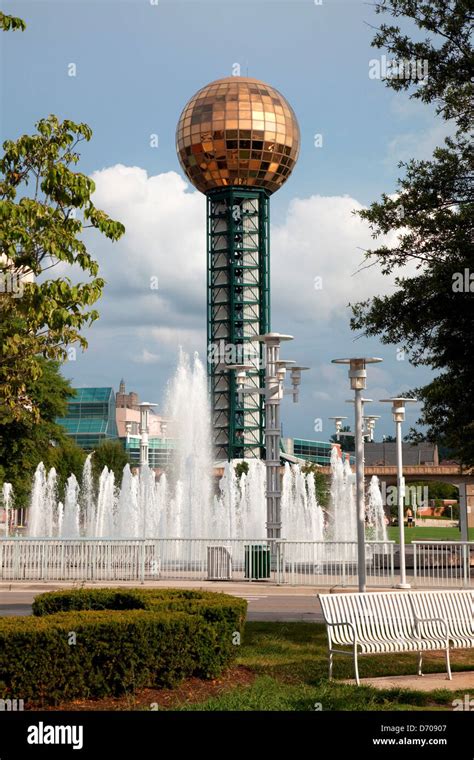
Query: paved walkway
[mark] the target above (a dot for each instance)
(265, 602)
(428, 682)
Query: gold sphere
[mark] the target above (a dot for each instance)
(237, 131)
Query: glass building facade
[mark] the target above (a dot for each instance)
(318, 452)
(159, 450)
(90, 417)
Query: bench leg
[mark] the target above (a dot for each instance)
(420, 663)
(331, 657)
(356, 668)
(448, 665)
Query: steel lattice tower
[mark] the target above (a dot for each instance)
(237, 141)
(238, 311)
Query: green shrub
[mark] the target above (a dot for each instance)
(125, 639)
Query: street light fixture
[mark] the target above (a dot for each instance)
(273, 392)
(398, 412)
(144, 407)
(369, 421)
(338, 424)
(296, 381)
(358, 380)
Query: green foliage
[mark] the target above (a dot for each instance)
(346, 442)
(290, 662)
(11, 23)
(27, 441)
(207, 603)
(432, 216)
(446, 26)
(44, 208)
(110, 454)
(321, 483)
(436, 489)
(126, 639)
(241, 468)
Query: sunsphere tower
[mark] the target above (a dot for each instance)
(237, 141)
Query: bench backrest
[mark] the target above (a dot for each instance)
(375, 616)
(455, 607)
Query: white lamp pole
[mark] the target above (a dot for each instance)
(398, 411)
(275, 372)
(144, 410)
(358, 379)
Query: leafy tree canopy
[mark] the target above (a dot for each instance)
(26, 442)
(44, 207)
(430, 313)
(112, 455)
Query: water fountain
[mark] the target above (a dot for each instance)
(186, 502)
(7, 499)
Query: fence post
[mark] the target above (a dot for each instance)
(465, 563)
(142, 561)
(344, 566)
(415, 563)
(16, 561)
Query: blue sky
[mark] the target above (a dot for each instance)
(137, 65)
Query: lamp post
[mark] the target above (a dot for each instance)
(163, 432)
(273, 392)
(398, 412)
(358, 379)
(145, 407)
(369, 423)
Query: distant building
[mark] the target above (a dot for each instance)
(90, 417)
(159, 450)
(385, 453)
(128, 415)
(95, 415)
(125, 400)
(318, 452)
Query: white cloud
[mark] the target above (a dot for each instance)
(316, 256)
(423, 130)
(156, 275)
(163, 251)
(141, 327)
(419, 145)
(146, 357)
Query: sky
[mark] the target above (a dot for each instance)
(136, 63)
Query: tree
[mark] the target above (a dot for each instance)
(346, 442)
(112, 455)
(430, 314)
(44, 208)
(321, 483)
(11, 23)
(241, 468)
(26, 442)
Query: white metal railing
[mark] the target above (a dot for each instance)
(443, 563)
(313, 563)
(334, 563)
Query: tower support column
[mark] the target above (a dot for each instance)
(238, 311)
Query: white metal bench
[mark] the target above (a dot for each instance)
(398, 621)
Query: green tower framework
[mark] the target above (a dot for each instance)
(238, 311)
(237, 140)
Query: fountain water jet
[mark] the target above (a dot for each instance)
(181, 504)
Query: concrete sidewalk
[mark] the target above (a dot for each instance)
(265, 602)
(427, 682)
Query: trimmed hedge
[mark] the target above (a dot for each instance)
(126, 639)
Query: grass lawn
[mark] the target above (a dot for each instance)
(283, 666)
(420, 533)
(289, 661)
